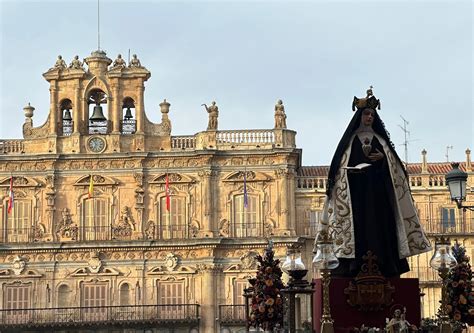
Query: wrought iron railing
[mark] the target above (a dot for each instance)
(455, 226)
(100, 316)
(67, 127)
(129, 126)
(232, 314)
(99, 127)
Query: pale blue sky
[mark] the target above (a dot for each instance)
(314, 55)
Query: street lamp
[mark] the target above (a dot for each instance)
(443, 261)
(325, 260)
(456, 180)
(297, 285)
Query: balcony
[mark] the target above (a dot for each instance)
(232, 315)
(452, 227)
(11, 146)
(128, 315)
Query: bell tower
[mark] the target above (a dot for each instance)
(97, 106)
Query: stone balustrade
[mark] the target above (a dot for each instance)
(11, 146)
(183, 142)
(311, 183)
(245, 137)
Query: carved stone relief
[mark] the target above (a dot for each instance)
(171, 262)
(18, 265)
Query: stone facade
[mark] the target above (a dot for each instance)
(91, 239)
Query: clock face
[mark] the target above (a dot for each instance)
(96, 144)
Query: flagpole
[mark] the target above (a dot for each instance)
(245, 202)
(12, 202)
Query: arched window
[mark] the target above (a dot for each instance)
(125, 294)
(173, 222)
(64, 293)
(98, 123)
(65, 118)
(129, 123)
(246, 219)
(18, 226)
(96, 224)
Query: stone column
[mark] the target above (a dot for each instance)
(206, 204)
(53, 108)
(284, 227)
(209, 306)
(140, 110)
(291, 202)
(77, 110)
(115, 108)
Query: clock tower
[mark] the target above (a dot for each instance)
(98, 110)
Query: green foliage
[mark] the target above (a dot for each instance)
(267, 302)
(459, 288)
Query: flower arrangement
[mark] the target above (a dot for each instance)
(267, 304)
(460, 305)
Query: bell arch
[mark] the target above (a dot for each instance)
(128, 122)
(98, 122)
(65, 117)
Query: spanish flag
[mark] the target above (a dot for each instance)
(91, 187)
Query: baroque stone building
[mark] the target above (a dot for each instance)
(91, 242)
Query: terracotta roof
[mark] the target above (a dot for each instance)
(313, 171)
(413, 169)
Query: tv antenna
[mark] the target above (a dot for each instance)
(447, 152)
(407, 136)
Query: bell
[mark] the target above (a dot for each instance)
(97, 115)
(67, 115)
(128, 114)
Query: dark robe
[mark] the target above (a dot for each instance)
(372, 198)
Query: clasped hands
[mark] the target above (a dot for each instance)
(375, 156)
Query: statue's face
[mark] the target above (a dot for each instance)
(397, 313)
(367, 117)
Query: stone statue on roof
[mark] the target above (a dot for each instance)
(280, 116)
(119, 62)
(135, 62)
(213, 112)
(60, 63)
(76, 63)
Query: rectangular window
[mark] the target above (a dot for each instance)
(246, 218)
(94, 301)
(238, 310)
(96, 226)
(15, 299)
(448, 218)
(314, 219)
(18, 228)
(173, 222)
(171, 300)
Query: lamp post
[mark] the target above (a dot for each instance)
(296, 269)
(456, 180)
(443, 261)
(325, 260)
